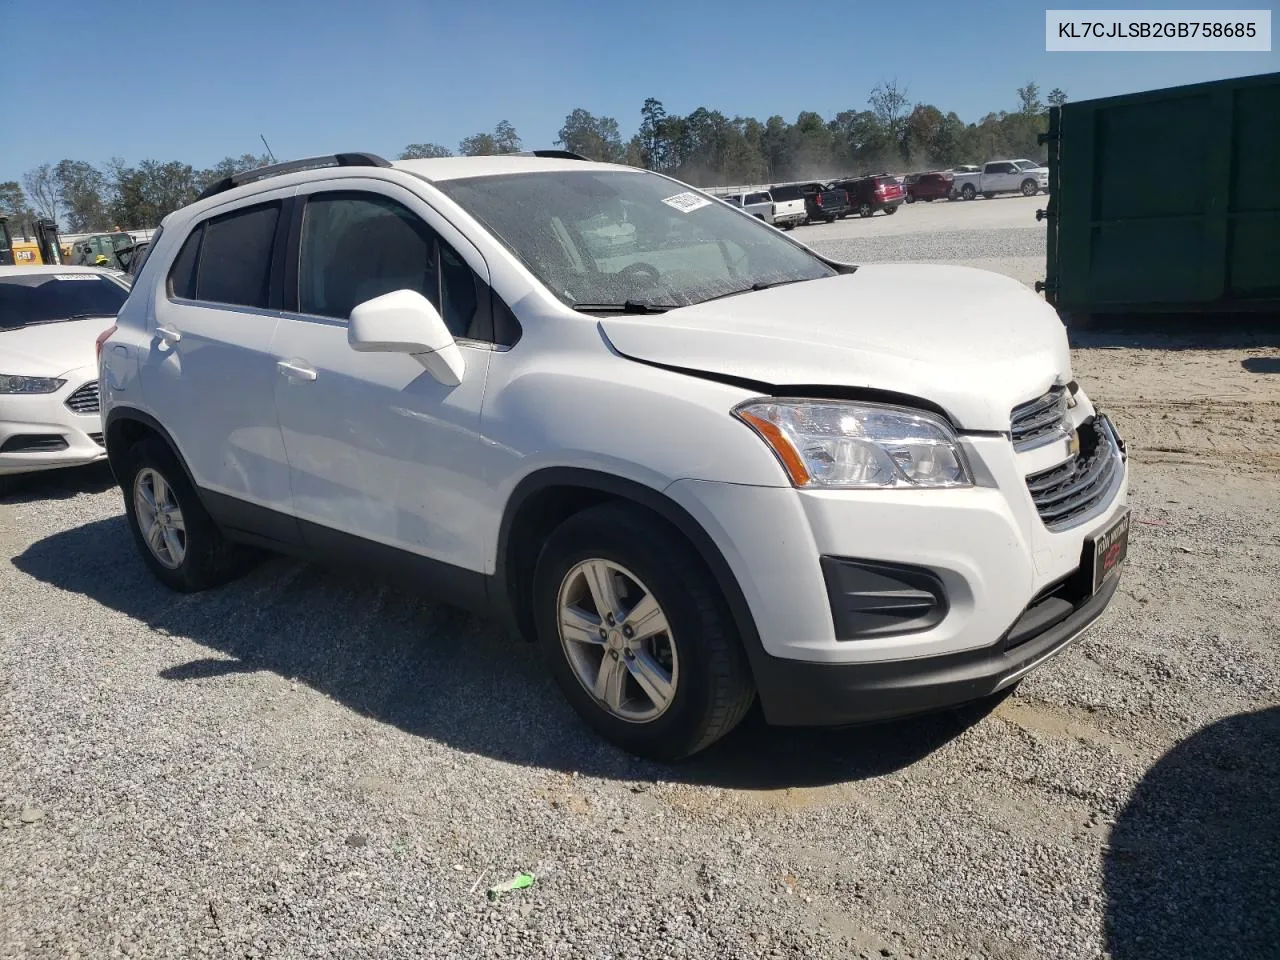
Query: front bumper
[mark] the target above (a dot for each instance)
(794, 693)
(1013, 589)
(41, 432)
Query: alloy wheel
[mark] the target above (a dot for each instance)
(617, 640)
(159, 518)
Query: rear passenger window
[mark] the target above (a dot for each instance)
(235, 257)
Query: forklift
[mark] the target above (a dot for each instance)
(26, 251)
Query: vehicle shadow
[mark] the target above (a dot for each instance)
(60, 484)
(1176, 332)
(1261, 364)
(436, 672)
(1193, 866)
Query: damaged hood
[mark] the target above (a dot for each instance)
(972, 342)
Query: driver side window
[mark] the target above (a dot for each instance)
(356, 246)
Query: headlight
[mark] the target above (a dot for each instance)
(10, 384)
(830, 443)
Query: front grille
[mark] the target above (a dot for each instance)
(97, 438)
(1070, 493)
(34, 443)
(85, 399)
(1040, 421)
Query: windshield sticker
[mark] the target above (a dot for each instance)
(75, 276)
(687, 202)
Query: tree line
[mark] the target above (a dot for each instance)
(704, 147)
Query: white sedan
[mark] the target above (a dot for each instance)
(50, 319)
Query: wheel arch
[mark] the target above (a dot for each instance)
(125, 426)
(547, 497)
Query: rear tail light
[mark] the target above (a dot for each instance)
(773, 209)
(102, 339)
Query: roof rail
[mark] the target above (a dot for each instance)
(292, 166)
(555, 155)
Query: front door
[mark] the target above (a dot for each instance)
(377, 447)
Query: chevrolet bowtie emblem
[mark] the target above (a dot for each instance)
(1073, 444)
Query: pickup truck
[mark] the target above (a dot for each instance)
(783, 214)
(1003, 176)
(822, 202)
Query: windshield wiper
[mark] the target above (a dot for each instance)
(627, 306)
(758, 285)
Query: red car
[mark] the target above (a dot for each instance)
(929, 186)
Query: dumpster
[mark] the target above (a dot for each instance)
(1166, 201)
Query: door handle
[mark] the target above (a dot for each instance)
(168, 334)
(295, 371)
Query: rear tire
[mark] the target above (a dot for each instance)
(704, 673)
(177, 538)
(968, 191)
(890, 211)
(910, 198)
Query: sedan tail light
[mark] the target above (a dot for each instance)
(102, 339)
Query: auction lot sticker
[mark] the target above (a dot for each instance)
(687, 202)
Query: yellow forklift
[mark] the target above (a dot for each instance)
(41, 247)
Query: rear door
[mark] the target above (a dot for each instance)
(208, 374)
(998, 176)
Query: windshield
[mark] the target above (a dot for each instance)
(606, 238)
(42, 297)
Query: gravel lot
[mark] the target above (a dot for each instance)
(308, 764)
(999, 234)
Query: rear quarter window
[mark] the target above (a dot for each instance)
(182, 275)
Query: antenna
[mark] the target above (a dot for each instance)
(268, 146)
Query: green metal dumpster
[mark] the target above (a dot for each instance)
(1166, 201)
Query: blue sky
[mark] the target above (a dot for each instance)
(172, 79)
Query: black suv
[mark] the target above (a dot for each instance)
(876, 192)
(822, 202)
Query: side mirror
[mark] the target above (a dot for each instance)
(404, 321)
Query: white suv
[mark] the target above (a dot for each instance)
(700, 467)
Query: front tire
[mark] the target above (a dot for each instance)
(865, 210)
(177, 538)
(1029, 188)
(638, 635)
